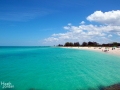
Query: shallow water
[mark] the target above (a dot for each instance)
(50, 68)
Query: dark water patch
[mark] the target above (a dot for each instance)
(112, 87)
(35, 89)
(9, 89)
(101, 87)
(3, 56)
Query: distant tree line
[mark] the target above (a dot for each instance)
(72, 44)
(95, 44)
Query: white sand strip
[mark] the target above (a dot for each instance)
(115, 51)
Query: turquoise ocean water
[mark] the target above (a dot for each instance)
(51, 68)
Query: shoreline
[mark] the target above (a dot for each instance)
(107, 50)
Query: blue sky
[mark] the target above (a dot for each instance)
(50, 22)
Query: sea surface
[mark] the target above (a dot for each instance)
(52, 68)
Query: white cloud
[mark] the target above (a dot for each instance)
(110, 35)
(85, 33)
(82, 22)
(51, 39)
(118, 33)
(108, 18)
(66, 27)
(69, 24)
(100, 28)
(89, 32)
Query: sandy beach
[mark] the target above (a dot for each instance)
(115, 51)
